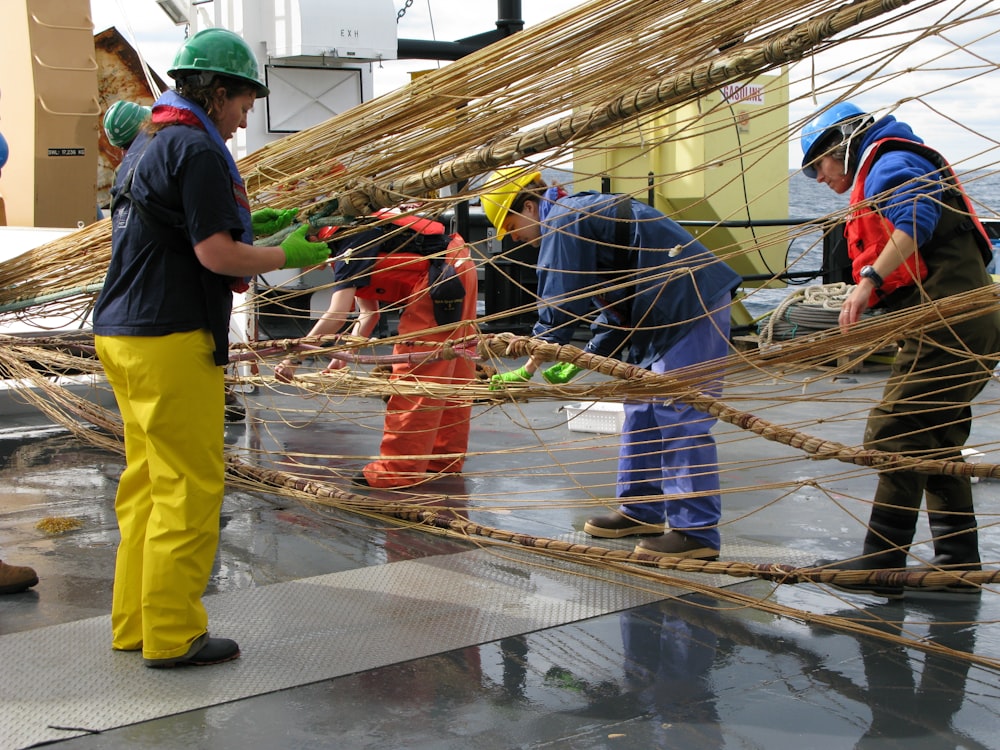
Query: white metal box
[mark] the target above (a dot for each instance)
(340, 29)
(595, 416)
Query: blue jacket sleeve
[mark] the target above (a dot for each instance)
(570, 287)
(907, 192)
(566, 278)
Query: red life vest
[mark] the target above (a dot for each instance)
(398, 274)
(395, 277)
(868, 232)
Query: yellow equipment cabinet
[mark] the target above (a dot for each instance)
(49, 112)
(721, 159)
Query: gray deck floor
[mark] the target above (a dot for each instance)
(358, 633)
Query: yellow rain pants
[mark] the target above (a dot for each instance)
(171, 397)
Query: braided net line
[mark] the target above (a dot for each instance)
(467, 118)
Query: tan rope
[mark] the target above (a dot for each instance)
(743, 63)
(653, 566)
(482, 111)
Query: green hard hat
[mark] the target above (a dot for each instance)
(218, 51)
(123, 120)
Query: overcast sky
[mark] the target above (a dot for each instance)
(972, 106)
(446, 20)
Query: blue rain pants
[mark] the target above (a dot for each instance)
(667, 448)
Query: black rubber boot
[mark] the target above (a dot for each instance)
(888, 538)
(956, 548)
(956, 541)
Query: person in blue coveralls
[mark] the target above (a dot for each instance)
(181, 244)
(913, 237)
(662, 301)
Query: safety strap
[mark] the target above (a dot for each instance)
(625, 254)
(145, 214)
(623, 223)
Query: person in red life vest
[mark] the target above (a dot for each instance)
(410, 262)
(182, 238)
(913, 237)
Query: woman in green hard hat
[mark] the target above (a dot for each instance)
(182, 241)
(122, 122)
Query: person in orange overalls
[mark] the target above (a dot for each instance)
(400, 263)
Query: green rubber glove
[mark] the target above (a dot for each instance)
(267, 221)
(520, 375)
(301, 253)
(560, 373)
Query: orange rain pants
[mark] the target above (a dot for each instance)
(424, 435)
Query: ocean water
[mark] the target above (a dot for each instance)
(809, 199)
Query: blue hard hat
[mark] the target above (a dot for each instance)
(842, 119)
(4, 151)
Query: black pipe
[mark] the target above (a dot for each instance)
(746, 224)
(509, 18)
(509, 22)
(426, 49)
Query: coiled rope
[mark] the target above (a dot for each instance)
(805, 311)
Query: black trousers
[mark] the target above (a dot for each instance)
(925, 412)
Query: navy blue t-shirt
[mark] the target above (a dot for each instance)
(155, 284)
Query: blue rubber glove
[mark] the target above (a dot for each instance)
(301, 253)
(501, 379)
(267, 221)
(560, 373)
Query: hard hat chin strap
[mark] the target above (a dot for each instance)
(852, 143)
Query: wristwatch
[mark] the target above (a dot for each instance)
(869, 272)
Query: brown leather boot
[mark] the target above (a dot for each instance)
(677, 544)
(616, 525)
(15, 579)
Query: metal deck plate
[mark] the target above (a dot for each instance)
(64, 681)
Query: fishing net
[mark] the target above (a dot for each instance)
(606, 73)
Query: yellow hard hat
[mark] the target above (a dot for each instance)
(505, 184)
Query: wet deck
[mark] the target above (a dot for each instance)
(359, 633)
